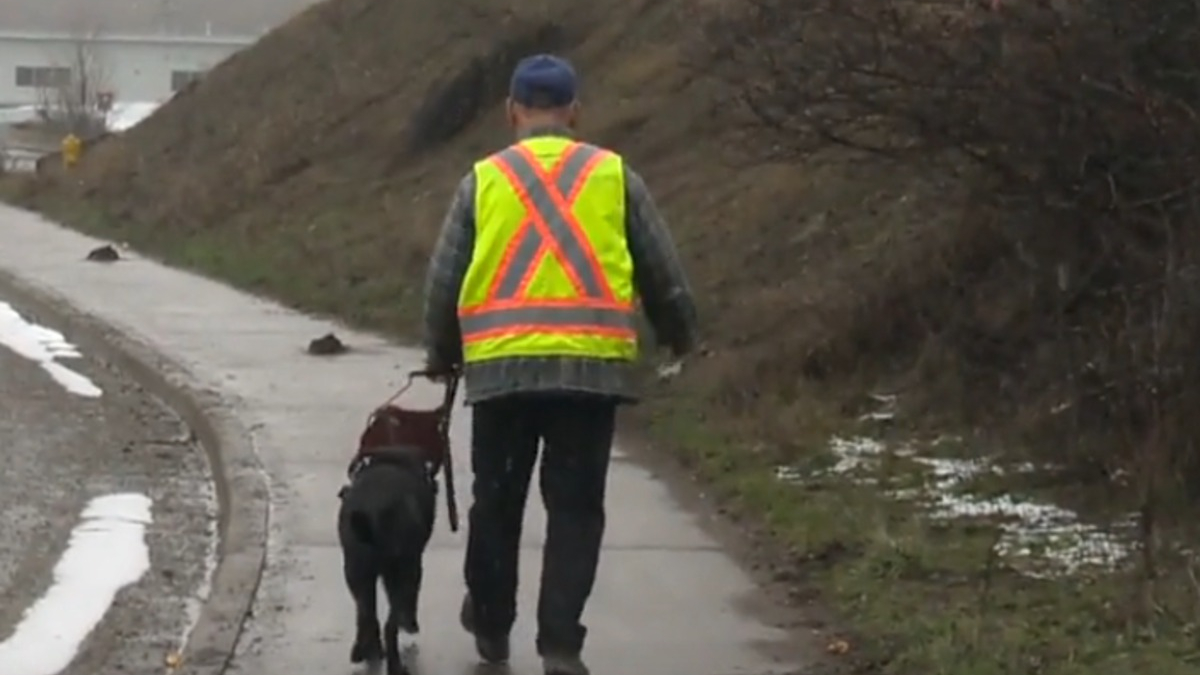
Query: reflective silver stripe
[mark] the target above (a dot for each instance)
(538, 194)
(545, 316)
(523, 258)
(530, 244)
(579, 156)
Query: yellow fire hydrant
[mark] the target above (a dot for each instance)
(72, 147)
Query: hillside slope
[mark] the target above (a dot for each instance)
(315, 167)
(338, 138)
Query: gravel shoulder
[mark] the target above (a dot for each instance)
(58, 450)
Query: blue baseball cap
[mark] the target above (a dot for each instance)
(543, 81)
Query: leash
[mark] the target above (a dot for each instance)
(404, 388)
(448, 463)
(444, 411)
(451, 377)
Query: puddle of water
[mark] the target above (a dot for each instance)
(106, 552)
(44, 347)
(1042, 540)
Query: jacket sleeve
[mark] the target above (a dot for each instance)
(658, 273)
(447, 267)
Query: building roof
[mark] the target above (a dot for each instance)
(215, 18)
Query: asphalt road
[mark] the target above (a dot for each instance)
(58, 451)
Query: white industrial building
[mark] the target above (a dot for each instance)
(131, 67)
(135, 50)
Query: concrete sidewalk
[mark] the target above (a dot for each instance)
(668, 601)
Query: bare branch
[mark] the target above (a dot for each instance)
(72, 97)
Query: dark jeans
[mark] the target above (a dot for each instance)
(505, 436)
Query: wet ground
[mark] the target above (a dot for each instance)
(670, 598)
(58, 451)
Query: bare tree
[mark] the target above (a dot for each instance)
(73, 91)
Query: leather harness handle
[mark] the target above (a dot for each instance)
(444, 411)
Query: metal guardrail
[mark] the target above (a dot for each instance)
(36, 159)
(26, 149)
(23, 158)
(18, 164)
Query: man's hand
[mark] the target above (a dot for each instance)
(670, 370)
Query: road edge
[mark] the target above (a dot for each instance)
(243, 494)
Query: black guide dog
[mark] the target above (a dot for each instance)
(384, 524)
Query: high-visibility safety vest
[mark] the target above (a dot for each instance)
(550, 274)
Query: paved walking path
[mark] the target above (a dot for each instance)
(668, 601)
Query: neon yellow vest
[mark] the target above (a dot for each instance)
(538, 204)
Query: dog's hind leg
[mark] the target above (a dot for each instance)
(402, 583)
(410, 593)
(362, 578)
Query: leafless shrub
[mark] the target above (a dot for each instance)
(1077, 120)
(74, 104)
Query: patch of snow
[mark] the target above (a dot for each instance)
(888, 412)
(127, 114)
(106, 552)
(1044, 540)
(853, 454)
(44, 347)
(17, 114)
(789, 474)
(1032, 531)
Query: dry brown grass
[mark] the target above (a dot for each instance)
(346, 167)
(316, 166)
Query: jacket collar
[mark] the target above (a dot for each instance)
(540, 132)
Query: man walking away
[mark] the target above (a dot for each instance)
(531, 289)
